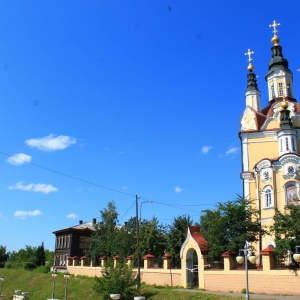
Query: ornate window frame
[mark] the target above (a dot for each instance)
(268, 197)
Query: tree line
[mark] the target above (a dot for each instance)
(27, 258)
(226, 227)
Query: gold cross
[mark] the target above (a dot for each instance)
(249, 55)
(274, 25)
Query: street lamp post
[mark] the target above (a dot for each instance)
(138, 276)
(54, 275)
(67, 276)
(247, 255)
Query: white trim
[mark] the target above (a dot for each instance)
(245, 154)
(258, 134)
(266, 163)
(264, 194)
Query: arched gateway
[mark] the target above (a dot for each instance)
(193, 255)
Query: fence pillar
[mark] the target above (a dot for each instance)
(267, 258)
(228, 260)
(148, 263)
(167, 261)
(129, 260)
(103, 260)
(115, 259)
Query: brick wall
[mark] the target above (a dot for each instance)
(282, 282)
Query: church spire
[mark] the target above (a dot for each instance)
(279, 77)
(252, 93)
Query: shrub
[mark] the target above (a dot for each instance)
(42, 269)
(118, 280)
(28, 265)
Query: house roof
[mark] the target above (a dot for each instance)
(199, 238)
(88, 226)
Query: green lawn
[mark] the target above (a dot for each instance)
(39, 287)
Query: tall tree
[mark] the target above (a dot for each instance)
(286, 229)
(126, 238)
(153, 238)
(3, 256)
(103, 240)
(176, 235)
(230, 225)
(40, 255)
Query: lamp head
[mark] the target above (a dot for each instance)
(240, 259)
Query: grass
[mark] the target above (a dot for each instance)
(40, 285)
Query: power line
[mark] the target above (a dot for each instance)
(174, 205)
(70, 176)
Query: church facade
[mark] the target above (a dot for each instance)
(270, 140)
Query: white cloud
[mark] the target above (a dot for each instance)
(72, 216)
(232, 150)
(19, 159)
(51, 142)
(21, 214)
(177, 189)
(34, 187)
(205, 149)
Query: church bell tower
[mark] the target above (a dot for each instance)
(270, 139)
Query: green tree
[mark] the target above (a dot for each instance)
(125, 243)
(28, 258)
(176, 235)
(116, 280)
(40, 255)
(49, 257)
(230, 225)
(3, 256)
(286, 229)
(103, 240)
(153, 238)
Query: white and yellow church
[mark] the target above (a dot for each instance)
(270, 140)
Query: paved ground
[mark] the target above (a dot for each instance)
(251, 296)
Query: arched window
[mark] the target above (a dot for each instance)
(268, 197)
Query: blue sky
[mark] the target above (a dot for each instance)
(105, 100)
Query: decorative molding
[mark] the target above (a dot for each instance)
(263, 164)
(184, 244)
(247, 175)
(290, 158)
(257, 134)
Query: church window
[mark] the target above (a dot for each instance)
(268, 197)
(273, 91)
(287, 144)
(289, 91)
(280, 145)
(294, 145)
(280, 89)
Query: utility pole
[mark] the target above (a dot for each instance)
(138, 277)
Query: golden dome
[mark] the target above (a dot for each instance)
(284, 104)
(250, 67)
(275, 40)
